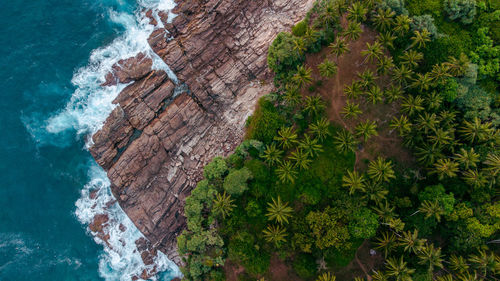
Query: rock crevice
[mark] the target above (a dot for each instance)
(155, 143)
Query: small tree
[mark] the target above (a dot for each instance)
(236, 181)
(463, 10)
(215, 169)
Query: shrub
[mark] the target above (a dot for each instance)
(281, 56)
(463, 10)
(265, 122)
(242, 248)
(424, 21)
(236, 182)
(300, 28)
(363, 223)
(397, 6)
(305, 266)
(215, 169)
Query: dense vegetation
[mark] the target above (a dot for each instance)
(292, 190)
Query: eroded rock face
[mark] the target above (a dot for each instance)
(154, 144)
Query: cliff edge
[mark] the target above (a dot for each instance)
(156, 141)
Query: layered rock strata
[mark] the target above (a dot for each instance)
(156, 141)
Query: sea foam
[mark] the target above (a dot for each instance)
(85, 113)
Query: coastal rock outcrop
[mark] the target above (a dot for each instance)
(156, 141)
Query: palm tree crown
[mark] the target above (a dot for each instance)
(279, 211)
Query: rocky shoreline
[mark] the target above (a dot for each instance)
(156, 141)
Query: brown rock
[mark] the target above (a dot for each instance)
(131, 69)
(154, 145)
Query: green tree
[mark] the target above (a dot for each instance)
(474, 178)
(321, 128)
(223, 204)
(354, 181)
(393, 93)
(303, 76)
(440, 73)
(402, 25)
(279, 211)
(351, 110)
(287, 137)
(327, 68)
(310, 146)
(384, 65)
(373, 51)
(446, 167)
(366, 130)
(327, 276)
(275, 234)
(301, 159)
(411, 58)
(281, 55)
(375, 94)
(410, 241)
(367, 78)
(286, 172)
(327, 229)
(420, 38)
(357, 12)
(383, 19)
(353, 31)
(272, 155)
(402, 74)
(434, 100)
(458, 264)
(401, 124)
(431, 257)
(386, 243)
(363, 224)
(314, 105)
(381, 170)
(463, 10)
(422, 82)
(399, 269)
(467, 158)
(412, 104)
(354, 90)
(235, 182)
(475, 130)
(215, 169)
(431, 209)
(386, 39)
(338, 47)
(427, 122)
(345, 141)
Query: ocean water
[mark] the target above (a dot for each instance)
(54, 55)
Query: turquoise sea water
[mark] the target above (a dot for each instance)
(54, 54)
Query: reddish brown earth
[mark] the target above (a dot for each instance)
(387, 143)
(156, 141)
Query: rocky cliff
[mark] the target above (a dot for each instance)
(156, 141)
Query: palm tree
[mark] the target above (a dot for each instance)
(393, 93)
(410, 241)
(384, 211)
(422, 81)
(357, 12)
(310, 36)
(328, 16)
(441, 137)
(398, 269)
(402, 25)
(375, 94)
(301, 159)
(351, 110)
(412, 104)
(375, 192)
(401, 124)
(292, 95)
(411, 58)
(310, 146)
(379, 276)
(458, 66)
(314, 105)
(431, 209)
(373, 51)
(354, 181)
(272, 155)
(427, 122)
(345, 141)
(354, 90)
(327, 276)
(327, 68)
(279, 211)
(303, 76)
(475, 130)
(431, 257)
(286, 173)
(492, 163)
(458, 264)
(447, 118)
(321, 128)
(467, 276)
(384, 64)
(299, 46)
(223, 204)
(386, 39)
(366, 130)
(440, 73)
(275, 234)
(339, 47)
(420, 38)
(353, 31)
(287, 137)
(427, 154)
(367, 78)
(402, 74)
(485, 262)
(381, 170)
(475, 179)
(386, 243)
(434, 100)
(446, 167)
(467, 158)
(383, 19)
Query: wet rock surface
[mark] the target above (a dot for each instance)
(156, 141)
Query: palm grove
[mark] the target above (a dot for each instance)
(292, 188)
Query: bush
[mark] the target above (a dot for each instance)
(305, 266)
(242, 248)
(215, 169)
(463, 10)
(281, 56)
(397, 6)
(236, 182)
(300, 28)
(424, 22)
(363, 224)
(265, 122)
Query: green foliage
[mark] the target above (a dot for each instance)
(265, 121)
(305, 266)
(282, 56)
(243, 248)
(420, 23)
(215, 169)
(486, 55)
(363, 224)
(300, 28)
(397, 6)
(463, 10)
(327, 228)
(437, 192)
(236, 181)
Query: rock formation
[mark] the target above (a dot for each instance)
(156, 141)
